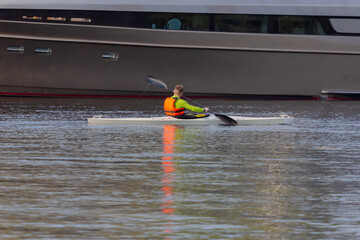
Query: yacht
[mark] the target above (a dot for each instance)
(246, 49)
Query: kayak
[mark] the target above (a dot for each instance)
(211, 120)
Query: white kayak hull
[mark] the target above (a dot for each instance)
(211, 120)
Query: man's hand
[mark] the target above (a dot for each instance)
(206, 109)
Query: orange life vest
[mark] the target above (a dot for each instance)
(169, 107)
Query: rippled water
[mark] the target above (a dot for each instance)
(61, 178)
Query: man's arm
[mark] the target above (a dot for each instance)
(180, 103)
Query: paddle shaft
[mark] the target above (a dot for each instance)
(193, 102)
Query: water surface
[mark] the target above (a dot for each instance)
(61, 178)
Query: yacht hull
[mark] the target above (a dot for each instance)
(209, 64)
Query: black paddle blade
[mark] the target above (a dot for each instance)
(156, 82)
(226, 119)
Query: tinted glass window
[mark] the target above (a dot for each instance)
(179, 21)
(241, 23)
(195, 22)
(300, 25)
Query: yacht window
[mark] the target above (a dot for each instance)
(346, 25)
(238, 23)
(241, 23)
(195, 22)
(300, 25)
(59, 19)
(88, 20)
(32, 17)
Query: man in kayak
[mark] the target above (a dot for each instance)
(175, 106)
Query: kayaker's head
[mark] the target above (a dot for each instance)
(178, 90)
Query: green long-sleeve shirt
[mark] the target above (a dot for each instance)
(180, 103)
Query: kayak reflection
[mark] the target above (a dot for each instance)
(169, 171)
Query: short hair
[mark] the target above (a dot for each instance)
(180, 88)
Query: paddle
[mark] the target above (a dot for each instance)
(160, 84)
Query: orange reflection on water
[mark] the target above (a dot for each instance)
(168, 169)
